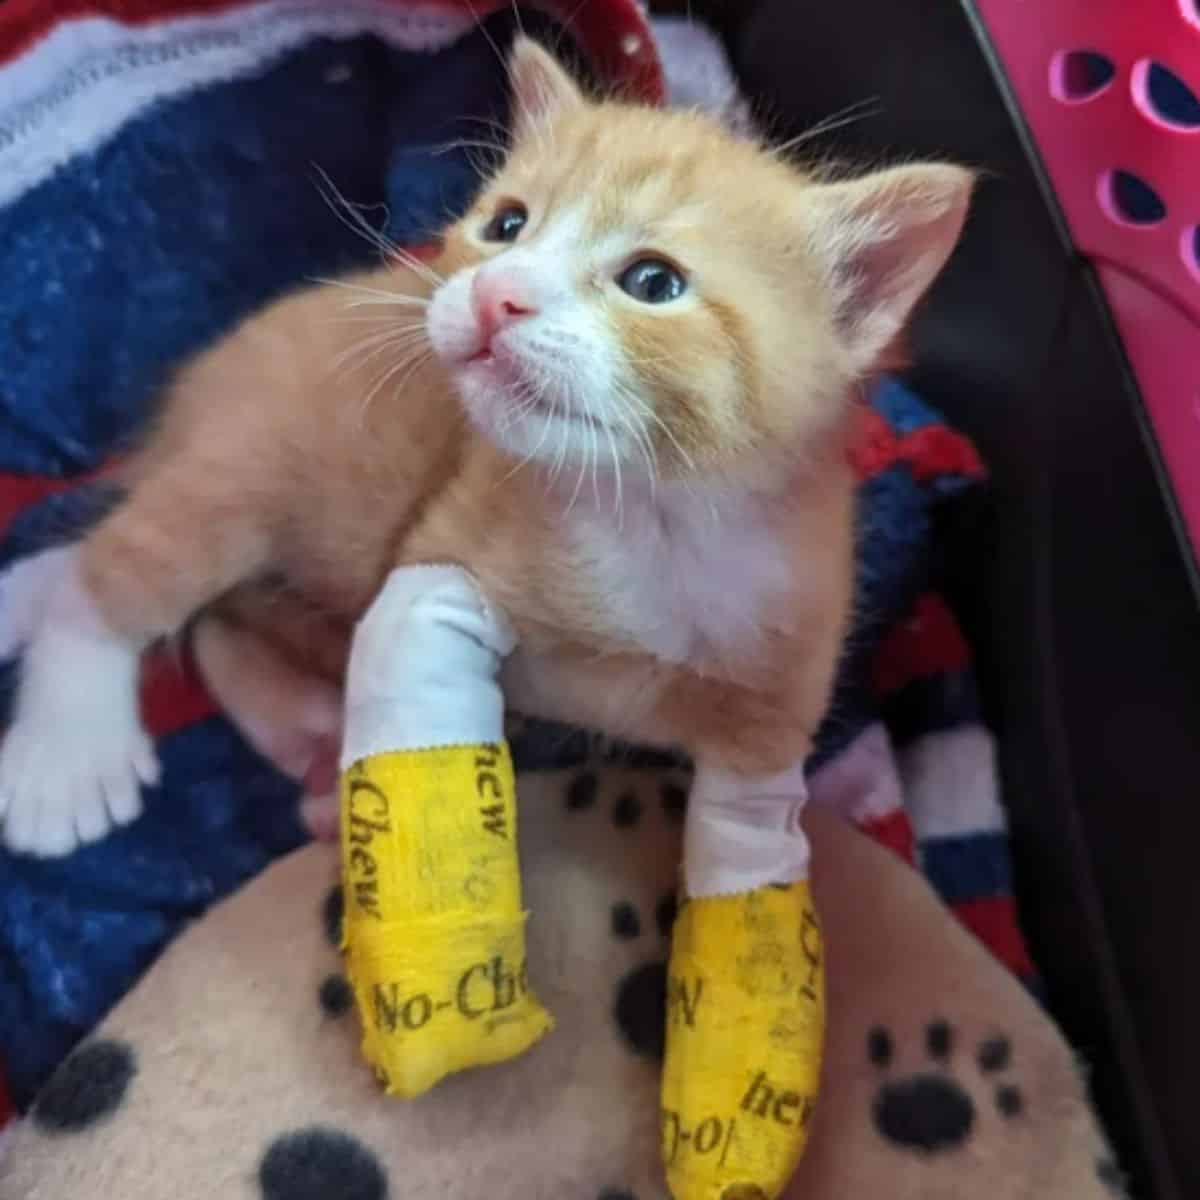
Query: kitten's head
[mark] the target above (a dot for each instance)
(640, 285)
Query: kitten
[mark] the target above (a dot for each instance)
(620, 395)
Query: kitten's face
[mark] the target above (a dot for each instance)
(645, 291)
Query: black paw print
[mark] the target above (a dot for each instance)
(640, 1005)
(930, 1111)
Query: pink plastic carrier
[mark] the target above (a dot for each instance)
(1110, 94)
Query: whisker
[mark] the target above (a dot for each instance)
(619, 495)
(385, 320)
(644, 445)
(648, 412)
(535, 391)
(371, 295)
(417, 267)
(470, 144)
(408, 366)
(351, 215)
(359, 355)
(860, 110)
(561, 456)
(491, 41)
(594, 439)
(564, 26)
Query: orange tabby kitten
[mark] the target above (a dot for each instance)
(620, 396)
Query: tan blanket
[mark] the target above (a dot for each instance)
(232, 1071)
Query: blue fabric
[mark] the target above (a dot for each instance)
(133, 257)
(968, 868)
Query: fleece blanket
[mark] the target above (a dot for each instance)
(156, 184)
(232, 1070)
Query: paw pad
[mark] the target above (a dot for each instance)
(930, 1111)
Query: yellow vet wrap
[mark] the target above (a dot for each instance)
(434, 930)
(745, 1026)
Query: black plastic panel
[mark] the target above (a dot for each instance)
(1068, 575)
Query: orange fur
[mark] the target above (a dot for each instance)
(280, 486)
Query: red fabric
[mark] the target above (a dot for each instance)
(16, 491)
(7, 1111)
(172, 696)
(928, 452)
(873, 446)
(23, 22)
(994, 922)
(936, 450)
(613, 33)
(928, 643)
(894, 831)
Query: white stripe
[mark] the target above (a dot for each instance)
(860, 783)
(950, 784)
(77, 86)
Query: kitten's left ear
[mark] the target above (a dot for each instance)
(883, 239)
(541, 88)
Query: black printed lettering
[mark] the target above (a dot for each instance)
(707, 1136)
(416, 1011)
(810, 945)
(787, 1108)
(669, 1129)
(683, 999)
(504, 986)
(493, 820)
(363, 862)
(462, 997)
(393, 1012)
(488, 786)
(758, 1099)
(366, 897)
(370, 810)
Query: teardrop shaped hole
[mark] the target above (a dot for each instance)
(1132, 200)
(1170, 99)
(1080, 74)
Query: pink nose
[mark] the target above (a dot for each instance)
(500, 300)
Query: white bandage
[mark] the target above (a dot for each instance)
(744, 832)
(423, 666)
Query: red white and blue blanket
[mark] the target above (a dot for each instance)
(158, 161)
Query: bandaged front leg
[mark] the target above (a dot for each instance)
(745, 993)
(434, 930)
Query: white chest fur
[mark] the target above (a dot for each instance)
(686, 575)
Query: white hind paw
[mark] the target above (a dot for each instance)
(74, 761)
(62, 786)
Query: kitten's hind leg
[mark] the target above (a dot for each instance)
(74, 760)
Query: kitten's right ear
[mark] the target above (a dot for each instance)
(541, 88)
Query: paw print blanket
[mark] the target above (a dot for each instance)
(162, 168)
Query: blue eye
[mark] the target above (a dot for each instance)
(652, 281)
(507, 223)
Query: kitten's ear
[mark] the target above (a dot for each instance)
(541, 88)
(884, 238)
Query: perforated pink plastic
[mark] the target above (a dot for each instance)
(1110, 90)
